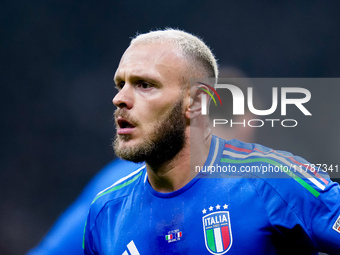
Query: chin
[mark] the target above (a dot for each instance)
(126, 143)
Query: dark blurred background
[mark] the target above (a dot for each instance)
(57, 63)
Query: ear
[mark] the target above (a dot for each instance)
(195, 101)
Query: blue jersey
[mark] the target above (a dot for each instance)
(67, 233)
(246, 199)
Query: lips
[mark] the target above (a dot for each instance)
(124, 126)
(123, 123)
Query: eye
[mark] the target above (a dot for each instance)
(120, 85)
(145, 85)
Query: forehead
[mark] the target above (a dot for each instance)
(159, 60)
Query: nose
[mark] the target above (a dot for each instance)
(124, 97)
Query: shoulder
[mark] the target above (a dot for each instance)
(111, 173)
(116, 192)
(281, 176)
(120, 188)
(112, 196)
(274, 167)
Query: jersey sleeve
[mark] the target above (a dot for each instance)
(308, 209)
(325, 219)
(88, 241)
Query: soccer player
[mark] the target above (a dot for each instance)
(167, 206)
(66, 234)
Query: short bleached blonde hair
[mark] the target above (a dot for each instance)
(200, 57)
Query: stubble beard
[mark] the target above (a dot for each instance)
(162, 145)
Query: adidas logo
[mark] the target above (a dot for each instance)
(132, 249)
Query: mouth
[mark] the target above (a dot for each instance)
(124, 126)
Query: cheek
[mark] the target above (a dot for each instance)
(152, 116)
(155, 109)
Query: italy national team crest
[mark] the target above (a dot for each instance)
(217, 231)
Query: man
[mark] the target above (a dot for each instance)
(167, 206)
(66, 234)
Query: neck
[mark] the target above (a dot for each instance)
(176, 173)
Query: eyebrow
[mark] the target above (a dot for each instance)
(117, 79)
